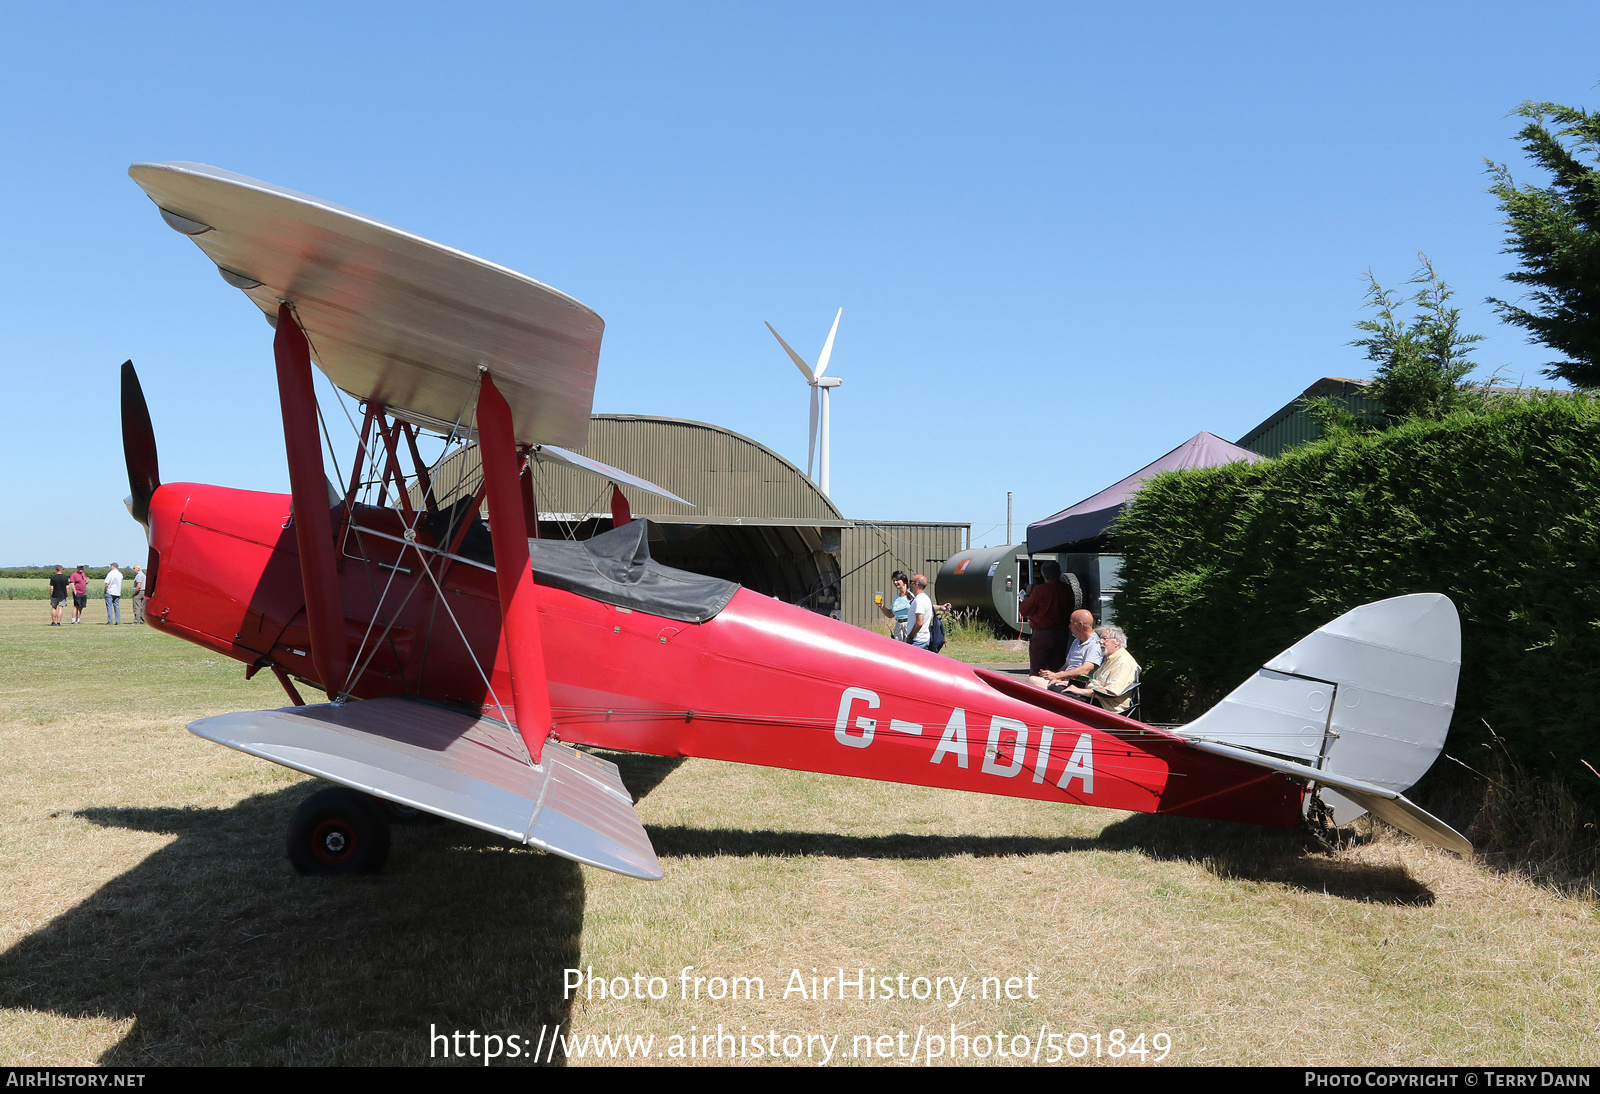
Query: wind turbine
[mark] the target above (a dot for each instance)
(819, 403)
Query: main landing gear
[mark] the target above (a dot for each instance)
(339, 831)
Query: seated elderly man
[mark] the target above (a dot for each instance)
(1111, 682)
(1115, 678)
(1083, 656)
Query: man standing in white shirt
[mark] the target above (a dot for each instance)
(138, 593)
(919, 624)
(113, 596)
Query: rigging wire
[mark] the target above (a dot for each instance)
(327, 437)
(458, 458)
(316, 355)
(327, 434)
(440, 599)
(410, 540)
(407, 540)
(568, 528)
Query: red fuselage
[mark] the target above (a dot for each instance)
(762, 682)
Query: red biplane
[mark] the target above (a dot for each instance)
(464, 659)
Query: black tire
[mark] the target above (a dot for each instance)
(1076, 588)
(338, 831)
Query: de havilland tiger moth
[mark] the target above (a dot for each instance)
(470, 665)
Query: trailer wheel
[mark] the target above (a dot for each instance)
(1076, 587)
(338, 831)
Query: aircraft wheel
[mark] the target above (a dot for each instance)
(338, 831)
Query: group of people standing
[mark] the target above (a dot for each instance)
(1068, 654)
(911, 609)
(76, 586)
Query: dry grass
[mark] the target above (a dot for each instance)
(148, 915)
(971, 640)
(1534, 825)
(988, 651)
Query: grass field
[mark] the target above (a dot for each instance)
(973, 642)
(34, 588)
(147, 914)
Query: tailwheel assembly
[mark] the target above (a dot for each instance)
(338, 831)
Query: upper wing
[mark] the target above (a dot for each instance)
(392, 316)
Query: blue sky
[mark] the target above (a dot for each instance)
(1065, 237)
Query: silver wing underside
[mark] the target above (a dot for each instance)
(392, 316)
(458, 766)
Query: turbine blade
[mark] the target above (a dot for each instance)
(811, 446)
(827, 347)
(799, 363)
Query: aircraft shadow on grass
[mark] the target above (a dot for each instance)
(1236, 851)
(223, 956)
(1245, 852)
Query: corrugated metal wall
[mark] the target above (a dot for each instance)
(1291, 425)
(757, 519)
(875, 549)
(1298, 427)
(727, 476)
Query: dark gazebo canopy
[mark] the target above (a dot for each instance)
(1089, 519)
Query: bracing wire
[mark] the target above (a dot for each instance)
(327, 437)
(359, 665)
(568, 528)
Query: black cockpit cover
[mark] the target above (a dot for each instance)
(616, 568)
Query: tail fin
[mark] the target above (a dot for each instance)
(1361, 707)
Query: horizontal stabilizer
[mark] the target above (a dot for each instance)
(455, 765)
(1391, 805)
(1412, 819)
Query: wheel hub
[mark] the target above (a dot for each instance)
(333, 842)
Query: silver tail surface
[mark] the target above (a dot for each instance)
(1360, 707)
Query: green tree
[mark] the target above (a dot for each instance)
(1555, 231)
(1420, 363)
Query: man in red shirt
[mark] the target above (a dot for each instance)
(80, 592)
(1047, 608)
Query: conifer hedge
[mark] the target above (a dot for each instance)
(1499, 509)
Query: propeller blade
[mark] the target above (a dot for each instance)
(799, 363)
(811, 447)
(138, 446)
(827, 347)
